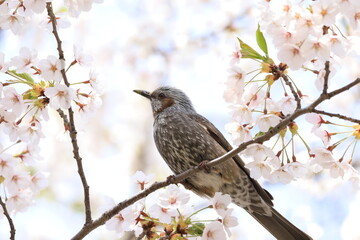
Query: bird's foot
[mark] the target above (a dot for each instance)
(204, 165)
(170, 179)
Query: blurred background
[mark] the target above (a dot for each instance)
(138, 44)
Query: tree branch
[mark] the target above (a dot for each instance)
(71, 124)
(7, 215)
(180, 177)
(343, 117)
(294, 93)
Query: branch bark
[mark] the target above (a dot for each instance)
(10, 221)
(70, 122)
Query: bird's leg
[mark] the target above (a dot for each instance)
(204, 165)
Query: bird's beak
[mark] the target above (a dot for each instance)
(143, 93)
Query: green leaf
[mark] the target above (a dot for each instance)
(23, 76)
(196, 229)
(249, 52)
(260, 39)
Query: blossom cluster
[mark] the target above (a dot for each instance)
(305, 35)
(34, 85)
(15, 14)
(171, 216)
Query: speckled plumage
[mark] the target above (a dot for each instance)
(185, 139)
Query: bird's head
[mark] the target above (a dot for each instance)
(167, 97)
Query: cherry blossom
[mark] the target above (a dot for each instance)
(220, 203)
(12, 101)
(7, 165)
(163, 214)
(141, 179)
(292, 55)
(17, 181)
(25, 60)
(266, 121)
(324, 135)
(239, 133)
(173, 197)
(14, 22)
(60, 96)
(123, 221)
(322, 155)
(287, 105)
(38, 6)
(258, 169)
(50, 68)
(297, 169)
(315, 119)
(280, 175)
(229, 221)
(38, 182)
(81, 58)
(213, 231)
(259, 151)
(19, 201)
(242, 113)
(3, 65)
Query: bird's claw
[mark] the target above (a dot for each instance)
(204, 165)
(170, 179)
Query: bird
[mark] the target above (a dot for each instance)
(186, 139)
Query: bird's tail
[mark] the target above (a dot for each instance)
(280, 227)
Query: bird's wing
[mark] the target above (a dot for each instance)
(217, 135)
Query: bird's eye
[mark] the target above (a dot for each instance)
(161, 95)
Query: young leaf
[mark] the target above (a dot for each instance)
(260, 39)
(23, 76)
(249, 52)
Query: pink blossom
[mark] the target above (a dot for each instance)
(213, 231)
(50, 68)
(266, 121)
(287, 105)
(173, 197)
(258, 169)
(297, 169)
(7, 165)
(229, 221)
(60, 96)
(239, 133)
(292, 55)
(3, 65)
(17, 181)
(220, 203)
(324, 135)
(25, 60)
(12, 101)
(163, 214)
(280, 176)
(81, 58)
(141, 179)
(315, 119)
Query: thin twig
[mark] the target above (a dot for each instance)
(7, 215)
(180, 177)
(71, 123)
(294, 93)
(326, 77)
(343, 117)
